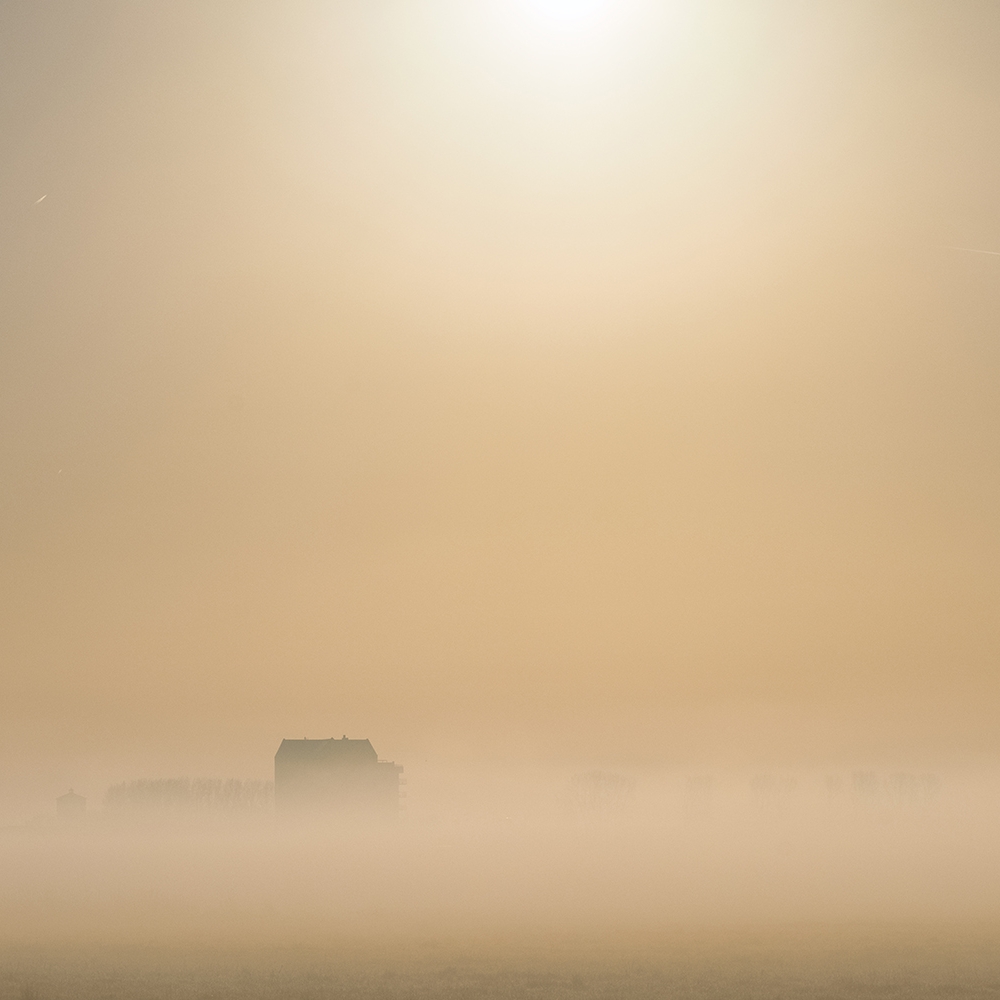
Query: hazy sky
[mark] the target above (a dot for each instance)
(572, 382)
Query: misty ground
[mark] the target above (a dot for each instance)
(810, 962)
(863, 885)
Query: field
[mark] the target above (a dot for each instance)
(773, 891)
(814, 963)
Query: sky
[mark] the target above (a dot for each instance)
(575, 384)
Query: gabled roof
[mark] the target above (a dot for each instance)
(69, 797)
(328, 751)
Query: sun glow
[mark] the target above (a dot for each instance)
(563, 38)
(566, 17)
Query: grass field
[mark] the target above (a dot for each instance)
(802, 962)
(755, 895)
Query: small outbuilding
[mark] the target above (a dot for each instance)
(70, 805)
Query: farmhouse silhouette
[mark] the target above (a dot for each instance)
(337, 778)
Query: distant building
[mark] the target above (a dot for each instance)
(70, 805)
(333, 777)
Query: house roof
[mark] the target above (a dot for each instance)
(342, 750)
(69, 797)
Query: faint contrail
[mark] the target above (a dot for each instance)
(992, 253)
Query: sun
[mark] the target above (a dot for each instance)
(562, 30)
(562, 49)
(561, 17)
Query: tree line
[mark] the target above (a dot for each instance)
(190, 795)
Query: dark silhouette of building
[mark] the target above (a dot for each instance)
(341, 778)
(70, 805)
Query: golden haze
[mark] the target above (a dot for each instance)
(609, 400)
